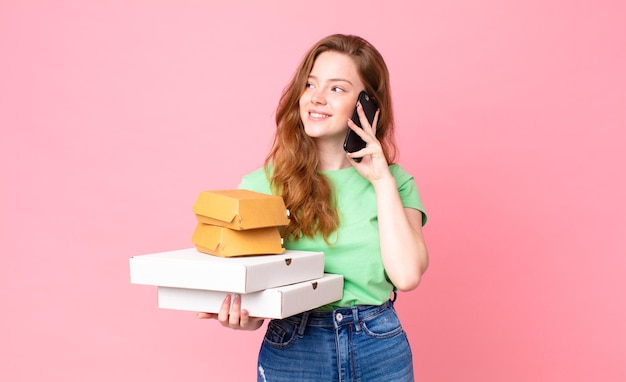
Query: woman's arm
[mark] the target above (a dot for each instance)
(402, 244)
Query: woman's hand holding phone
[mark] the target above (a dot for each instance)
(354, 142)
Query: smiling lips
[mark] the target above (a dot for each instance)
(316, 115)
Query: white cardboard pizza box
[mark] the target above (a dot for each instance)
(279, 302)
(189, 268)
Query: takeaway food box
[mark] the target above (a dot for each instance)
(240, 209)
(235, 223)
(238, 249)
(279, 302)
(271, 286)
(191, 269)
(226, 242)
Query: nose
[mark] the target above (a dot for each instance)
(318, 97)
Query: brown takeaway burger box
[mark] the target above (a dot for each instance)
(240, 209)
(226, 242)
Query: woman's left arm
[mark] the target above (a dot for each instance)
(402, 244)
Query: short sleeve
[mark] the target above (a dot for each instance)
(407, 188)
(256, 181)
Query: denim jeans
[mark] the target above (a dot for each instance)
(364, 343)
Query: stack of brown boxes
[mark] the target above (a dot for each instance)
(239, 223)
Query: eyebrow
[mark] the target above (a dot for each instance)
(332, 79)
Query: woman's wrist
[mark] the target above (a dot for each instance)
(384, 182)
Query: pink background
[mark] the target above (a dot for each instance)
(116, 114)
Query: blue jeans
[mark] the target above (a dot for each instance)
(363, 343)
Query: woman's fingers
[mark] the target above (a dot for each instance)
(205, 315)
(375, 121)
(235, 313)
(363, 118)
(222, 315)
(231, 315)
(367, 130)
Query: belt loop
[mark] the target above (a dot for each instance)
(395, 296)
(356, 319)
(303, 322)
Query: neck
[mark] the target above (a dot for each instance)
(331, 157)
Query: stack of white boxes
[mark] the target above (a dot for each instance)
(275, 285)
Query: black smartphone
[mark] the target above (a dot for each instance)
(353, 142)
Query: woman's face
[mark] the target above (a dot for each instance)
(330, 96)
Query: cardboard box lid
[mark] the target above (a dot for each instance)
(188, 268)
(240, 209)
(226, 242)
(279, 302)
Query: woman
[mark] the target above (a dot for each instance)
(365, 216)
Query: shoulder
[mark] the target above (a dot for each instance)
(400, 174)
(257, 180)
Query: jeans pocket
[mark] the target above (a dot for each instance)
(382, 325)
(280, 334)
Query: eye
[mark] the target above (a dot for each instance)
(308, 85)
(337, 89)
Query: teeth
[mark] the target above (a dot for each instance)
(318, 115)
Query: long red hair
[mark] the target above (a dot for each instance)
(294, 158)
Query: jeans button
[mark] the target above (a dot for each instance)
(339, 317)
